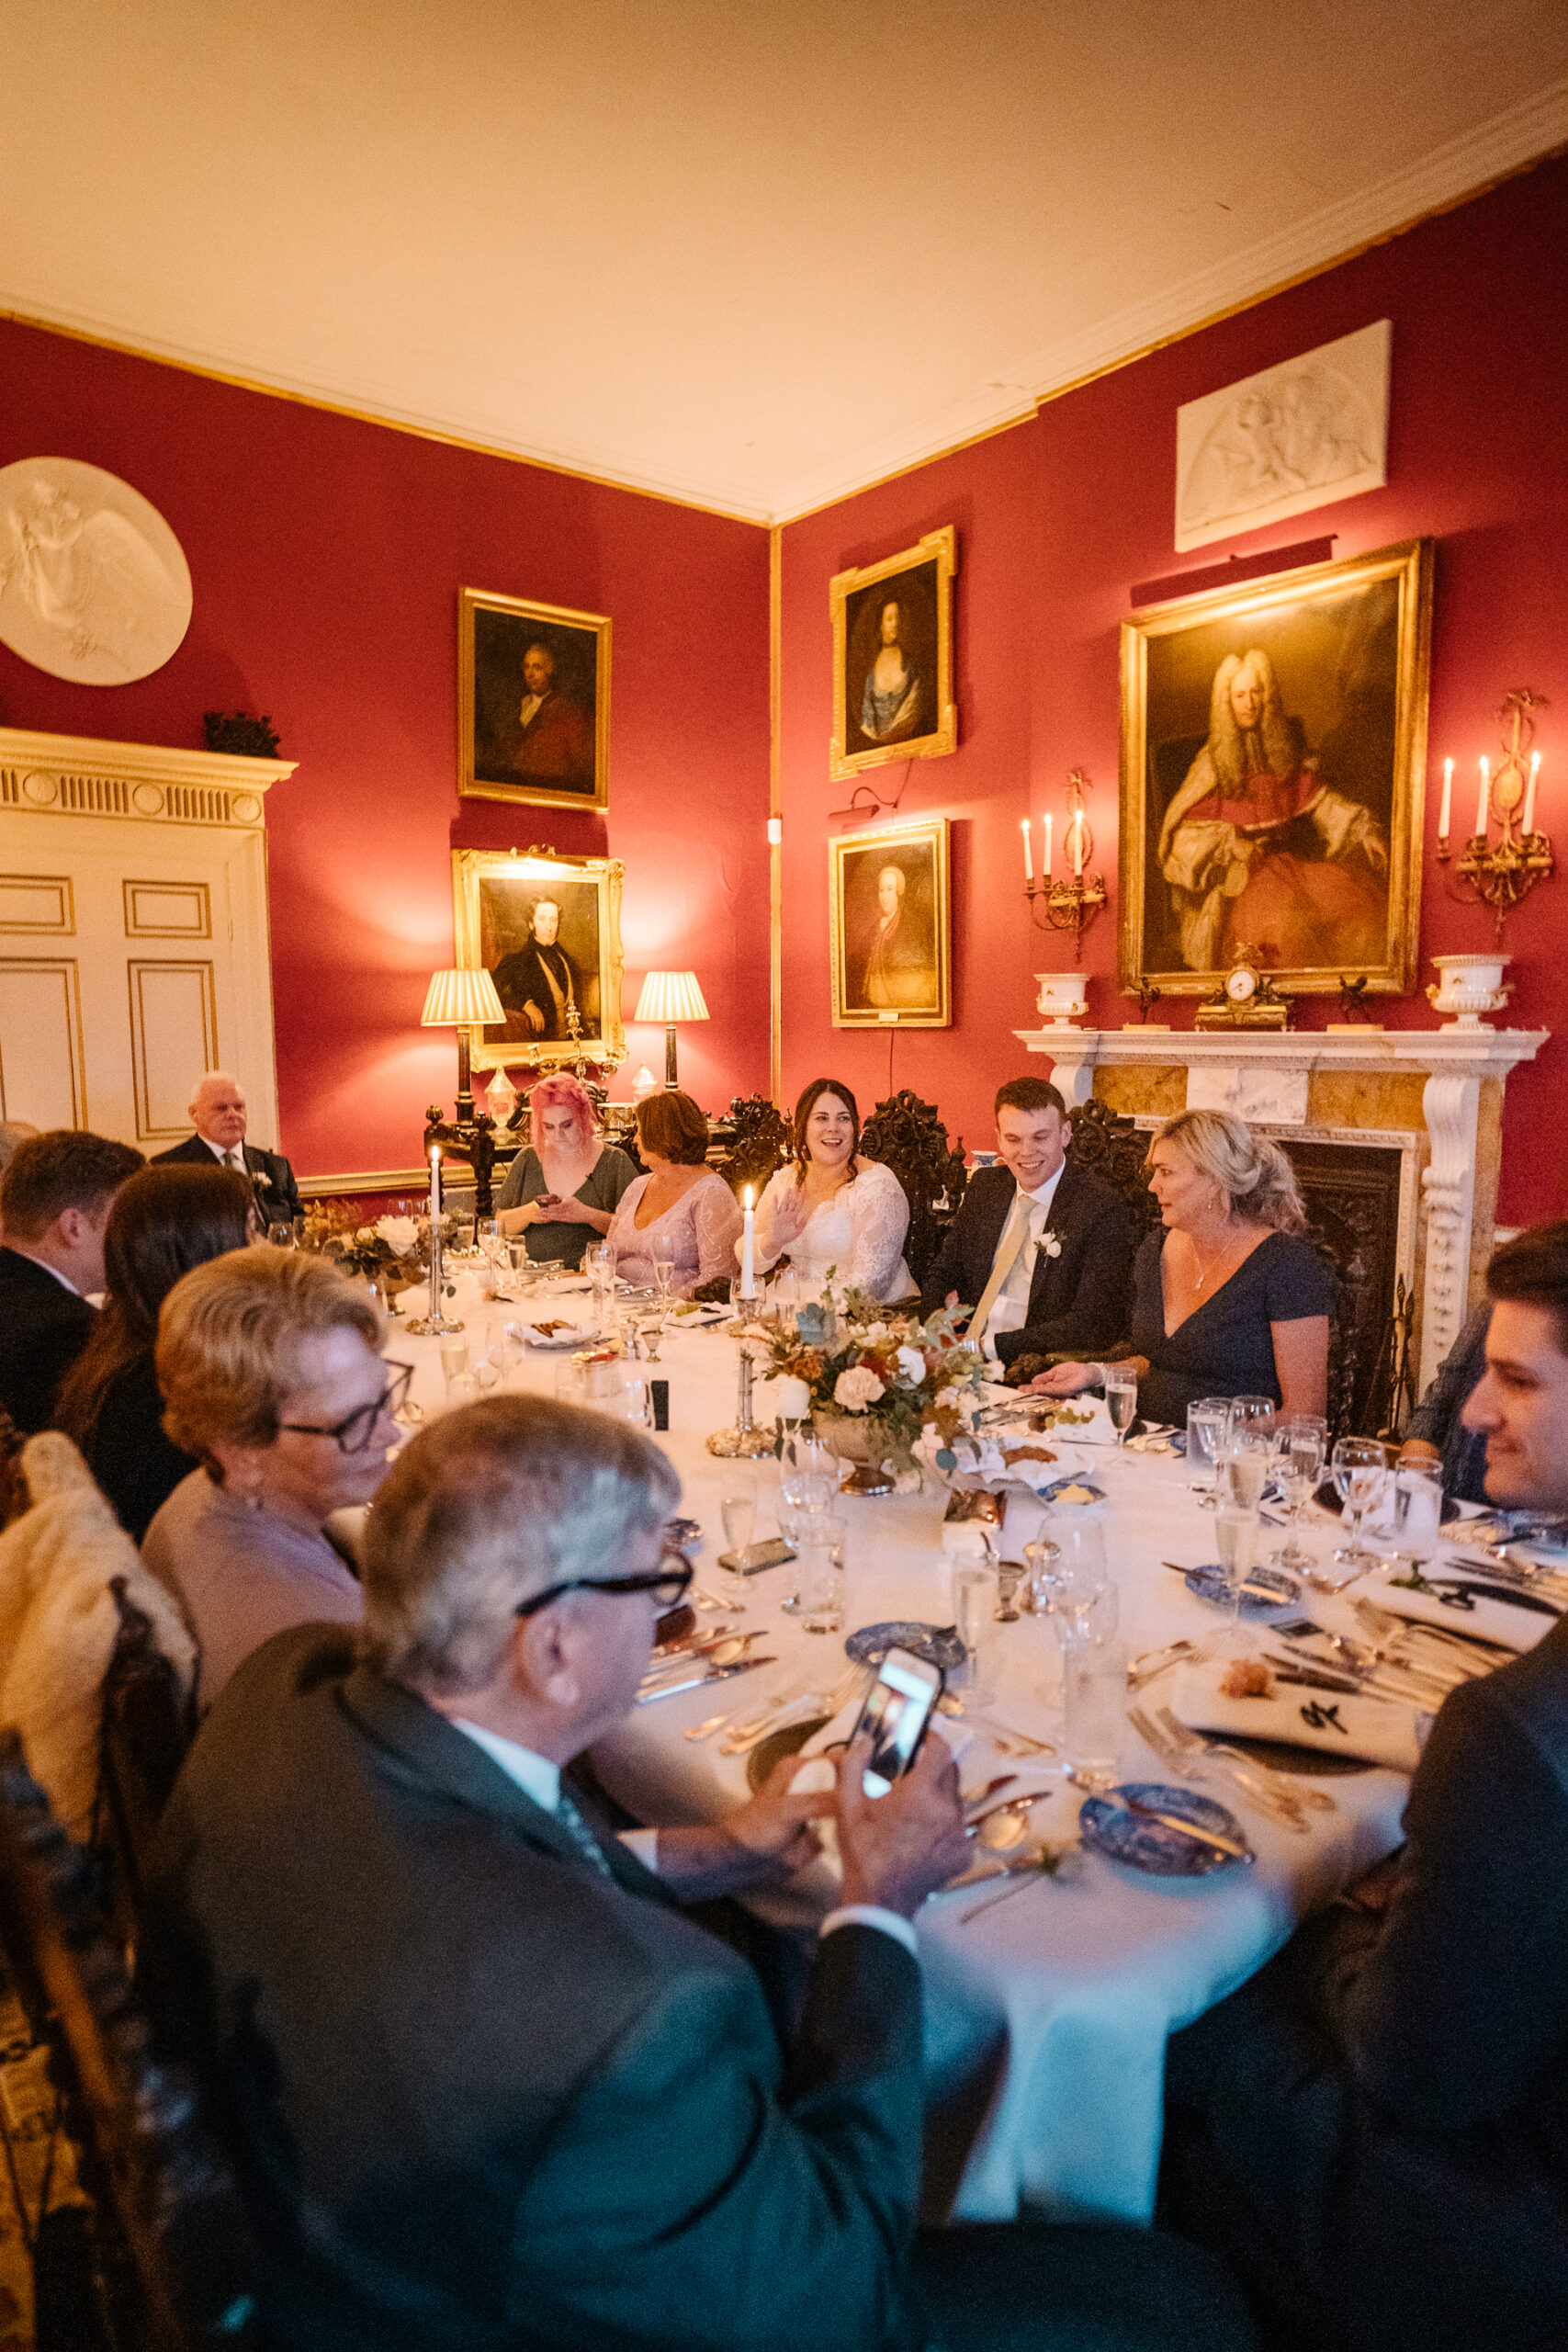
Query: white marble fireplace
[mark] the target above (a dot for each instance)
(1437, 1094)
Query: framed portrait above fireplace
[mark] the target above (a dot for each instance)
(1273, 768)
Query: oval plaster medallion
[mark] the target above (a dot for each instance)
(94, 585)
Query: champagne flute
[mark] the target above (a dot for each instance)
(1244, 1467)
(1208, 1421)
(1121, 1399)
(1303, 1440)
(1236, 1540)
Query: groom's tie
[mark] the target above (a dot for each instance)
(1014, 1234)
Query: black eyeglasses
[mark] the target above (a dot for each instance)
(354, 1433)
(669, 1583)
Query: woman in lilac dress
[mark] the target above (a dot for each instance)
(681, 1209)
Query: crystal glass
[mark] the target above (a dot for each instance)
(1301, 1444)
(461, 1389)
(1120, 1398)
(1417, 1509)
(1077, 1582)
(1094, 1702)
(973, 1599)
(1208, 1424)
(1360, 1478)
(822, 1578)
(1236, 1541)
(1244, 1462)
(453, 1353)
(1253, 1413)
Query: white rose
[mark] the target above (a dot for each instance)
(794, 1398)
(946, 1396)
(365, 1233)
(876, 1336)
(911, 1367)
(857, 1388)
(398, 1233)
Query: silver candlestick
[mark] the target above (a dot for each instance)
(435, 1325)
(745, 1441)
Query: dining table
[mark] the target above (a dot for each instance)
(1048, 2013)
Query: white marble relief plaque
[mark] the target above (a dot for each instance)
(1305, 433)
(93, 584)
(1273, 1097)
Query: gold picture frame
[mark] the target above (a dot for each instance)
(497, 899)
(916, 718)
(533, 702)
(892, 939)
(1273, 779)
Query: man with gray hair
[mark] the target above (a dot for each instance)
(493, 2086)
(221, 1115)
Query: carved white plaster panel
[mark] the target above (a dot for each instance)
(93, 584)
(1449, 1106)
(78, 775)
(1276, 1096)
(1305, 434)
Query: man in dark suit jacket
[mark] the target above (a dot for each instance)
(55, 1197)
(220, 1113)
(1061, 1239)
(492, 2086)
(1375, 2129)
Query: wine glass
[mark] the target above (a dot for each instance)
(1253, 1413)
(1244, 1465)
(1208, 1421)
(1360, 1478)
(1121, 1399)
(1301, 1440)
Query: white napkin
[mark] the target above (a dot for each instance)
(1372, 1729)
(578, 1336)
(1495, 1621)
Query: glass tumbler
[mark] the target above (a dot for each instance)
(1094, 1702)
(973, 1599)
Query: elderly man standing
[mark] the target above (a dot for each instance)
(1374, 2128)
(220, 1114)
(494, 2087)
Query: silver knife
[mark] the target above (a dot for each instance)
(695, 1681)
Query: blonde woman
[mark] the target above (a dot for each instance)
(272, 1377)
(1229, 1299)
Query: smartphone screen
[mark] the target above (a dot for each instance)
(895, 1715)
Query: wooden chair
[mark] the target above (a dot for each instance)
(1114, 1148)
(910, 1136)
(167, 2254)
(148, 1723)
(14, 1495)
(759, 1142)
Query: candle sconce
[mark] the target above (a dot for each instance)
(1073, 904)
(1498, 874)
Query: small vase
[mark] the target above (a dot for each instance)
(863, 1439)
(1469, 986)
(1062, 997)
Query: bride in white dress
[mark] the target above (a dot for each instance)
(828, 1209)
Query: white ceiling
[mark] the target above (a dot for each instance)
(752, 256)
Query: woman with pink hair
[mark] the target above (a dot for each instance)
(566, 1185)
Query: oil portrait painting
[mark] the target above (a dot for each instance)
(893, 658)
(533, 702)
(892, 940)
(548, 932)
(1273, 747)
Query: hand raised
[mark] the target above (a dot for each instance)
(900, 1847)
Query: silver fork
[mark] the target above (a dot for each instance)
(1276, 1777)
(1193, 1762)
(741, 1736)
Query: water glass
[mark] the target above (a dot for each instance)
(1120, 1398)
(1302, 1442)
(1208, 1424)
(631, 1399)
(1417, 1509)
(1360, 1479)
(973, 1597)
(1253, 1413)
(1075, 1583)
(1236, 1541)
(822, 1579)
(1094, 1700)
(571, 1381)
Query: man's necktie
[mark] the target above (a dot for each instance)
(582, 1837)
(1014, 1234)
(236, 1158)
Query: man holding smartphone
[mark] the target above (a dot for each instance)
(494, 2085)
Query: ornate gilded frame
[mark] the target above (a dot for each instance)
(1239, 611)
(533, 873)
(892, 845)
(938, 552)
(559, 619)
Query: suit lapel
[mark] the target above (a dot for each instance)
(1066, 1206)
(991, 1220)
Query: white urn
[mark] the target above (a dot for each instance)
(1063, 998)
(1468, 986)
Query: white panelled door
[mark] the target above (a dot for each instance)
(133, 934)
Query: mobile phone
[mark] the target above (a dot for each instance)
(896, 1710)
(756, 1556)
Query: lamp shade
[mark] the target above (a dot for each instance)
(670, 996)
(461, 999)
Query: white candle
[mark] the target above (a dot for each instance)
(1077, 844)
(1048, 823)
(434, 1181)
(1028, 853)
(1482, 805)
(748, 1239)
(1448, 799)
(1529, 793)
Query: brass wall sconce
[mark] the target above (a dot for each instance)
(1070, 904)
(1498, 874)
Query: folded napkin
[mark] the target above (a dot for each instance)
(1461, 1601)
(1375, 1730)
(578, 1335)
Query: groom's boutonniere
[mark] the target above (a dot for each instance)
(1048, 1245)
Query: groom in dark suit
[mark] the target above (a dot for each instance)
(55, 1197)
(1041, 1249)
(1374, 2129)
(493, 2084)
(219, 1113)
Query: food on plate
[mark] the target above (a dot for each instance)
(1245, 1678)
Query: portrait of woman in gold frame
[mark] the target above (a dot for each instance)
(1273, 771)
(548, 930)
(892, 927)
(533, 702)
(893, 658)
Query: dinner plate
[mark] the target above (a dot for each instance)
(1073, 1489)
(1211, 1583)
(1145, 1845)
(788, 1741)
(580, 1335)
(938, 1645)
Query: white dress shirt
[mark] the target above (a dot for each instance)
(233, 1156)
(1009, 1311)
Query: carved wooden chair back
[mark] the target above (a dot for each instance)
(14, 1495)
(759, 1142)
(168, 2253)
(910, 1136)
(148, 1723)
(1114, 1148)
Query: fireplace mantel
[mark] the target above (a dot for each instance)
(1354, 1084)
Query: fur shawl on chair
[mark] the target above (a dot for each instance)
(59, 1622)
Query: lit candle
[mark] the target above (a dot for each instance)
(1448, 799)
(1482, 805)
(748, 1278)
(1077, 844)
(434, 1181)
(1028, 855)
(1529, 793)
(1048, 823)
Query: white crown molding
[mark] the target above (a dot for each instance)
(78, 775)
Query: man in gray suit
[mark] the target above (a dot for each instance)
(491, 2085)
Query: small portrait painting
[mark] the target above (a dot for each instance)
(893, 658)
(547, 931)
(892, 945)
(534, 699)
(1273, 751)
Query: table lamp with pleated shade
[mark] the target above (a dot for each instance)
(667, 998)
(461, 1000)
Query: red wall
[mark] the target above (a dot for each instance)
(1057, 518)
(326, 557)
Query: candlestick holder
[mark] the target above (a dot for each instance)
(435, 1325)
(1498, 874)
(745, 1441)
(1070, 905)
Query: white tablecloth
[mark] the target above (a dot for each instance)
(1047, 2017)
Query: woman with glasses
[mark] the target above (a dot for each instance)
(163, 1222)
(271, 1369)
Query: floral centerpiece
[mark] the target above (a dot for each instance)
(387, 1253)
(876, 1381)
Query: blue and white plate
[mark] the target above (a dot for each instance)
(1146, 1845)
(1212, 1583)
(1075, 1489)
(938, 1645)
